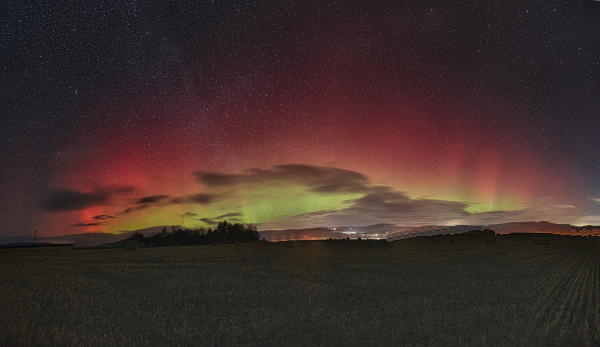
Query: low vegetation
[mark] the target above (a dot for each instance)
(319, 293)
(202, 236)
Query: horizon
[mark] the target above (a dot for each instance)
(381, 231)
(288, 116)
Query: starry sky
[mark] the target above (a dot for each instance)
(118, 116)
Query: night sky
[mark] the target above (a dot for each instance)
(121, 116)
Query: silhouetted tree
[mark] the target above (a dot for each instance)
(136, 236)
(200, 236)
(250, 232)
(223, 227)
(485, 233)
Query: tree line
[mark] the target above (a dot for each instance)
(179, 236)
(484, 233)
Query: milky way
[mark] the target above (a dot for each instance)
(123, 116)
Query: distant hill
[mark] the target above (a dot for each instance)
(83, 239)
(383, 230)
(34, 245)
(117, 244)
(20, 244)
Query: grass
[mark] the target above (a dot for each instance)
(409, 293)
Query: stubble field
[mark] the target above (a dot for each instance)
(321, 293)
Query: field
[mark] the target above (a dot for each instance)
(321, 293)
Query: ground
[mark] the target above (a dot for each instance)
(319, 293)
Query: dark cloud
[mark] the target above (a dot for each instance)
(378, 204)
(216, 179)
(131, 209)
(163, 200)
(200, 198)
(397, 203)
(72, 200)
(383, 205)
(99, 220)
(210, 221)
(325, 180)
(86, 224)
(145, 202)
(227, 215)
(317, 179)
(136, 208)
(152, 199)
(103, 216)
(189, 215)
(538, 211)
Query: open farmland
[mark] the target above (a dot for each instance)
(319, 293)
